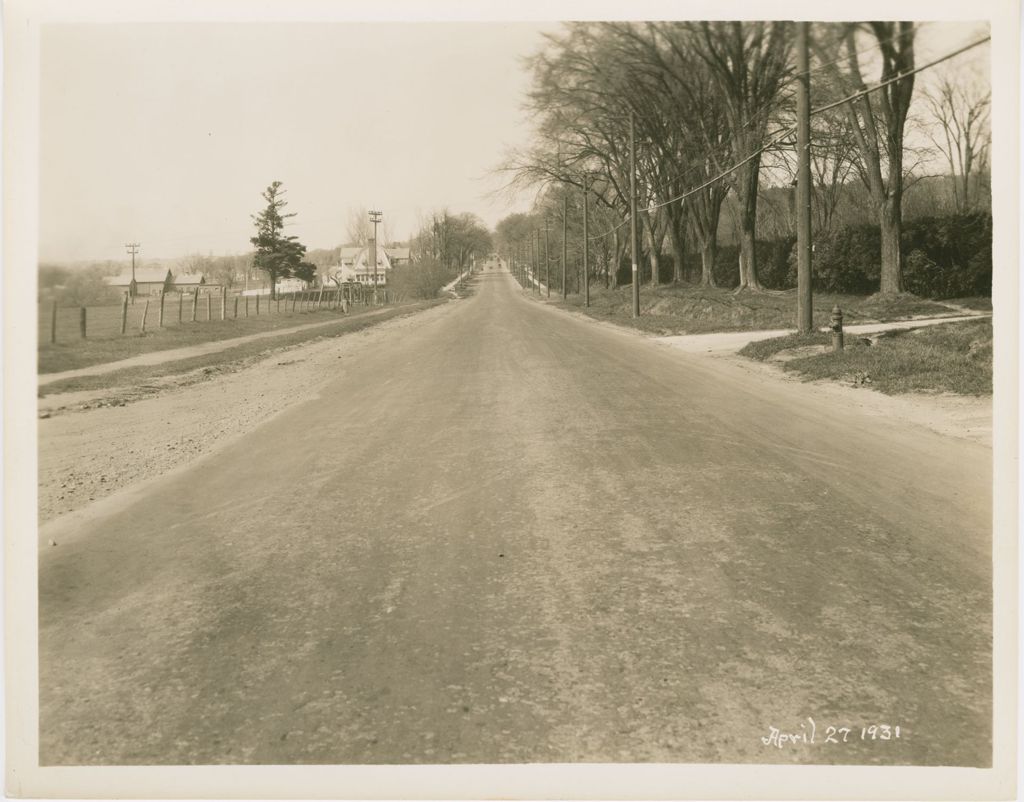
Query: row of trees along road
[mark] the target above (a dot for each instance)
(711, 98)
(451, 241)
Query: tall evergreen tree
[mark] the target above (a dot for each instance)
(278, 254)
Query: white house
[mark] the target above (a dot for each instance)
(355, 264)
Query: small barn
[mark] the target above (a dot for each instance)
(190, 282)
(147, 281)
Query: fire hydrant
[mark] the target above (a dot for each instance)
(837, 328)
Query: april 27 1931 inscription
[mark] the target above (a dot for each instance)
(811, 734)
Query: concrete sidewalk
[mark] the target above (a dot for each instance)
(732, 341)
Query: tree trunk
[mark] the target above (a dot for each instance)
(613, 269)
(655, 259)
(678, 247)
(746, 192)
(708, 252)
(892, 230)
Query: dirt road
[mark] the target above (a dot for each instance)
(506, 535)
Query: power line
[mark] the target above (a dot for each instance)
(790, 130)
(779, 137)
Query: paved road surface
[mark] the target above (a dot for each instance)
(518, 537)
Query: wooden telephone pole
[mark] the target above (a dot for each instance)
(132, 248)
(804, 314)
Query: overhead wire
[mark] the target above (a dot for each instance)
(781, 135)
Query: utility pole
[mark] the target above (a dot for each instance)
(535, 244)
(132, 248)
(632, 215)
(586, 247)
(375, 217)
(565, 244)
(547, 260)
(804, 310)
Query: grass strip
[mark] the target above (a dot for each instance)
(72, 354)
(943, 358)
(685, 309)
(232, 358)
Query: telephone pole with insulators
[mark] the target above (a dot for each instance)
(804, 310)
(632, 215)
(132, 248)
(375, 217)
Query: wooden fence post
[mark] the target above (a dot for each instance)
(236, 307)
(53, 322)
(195, 304)
(124, 313)
(160, 317)
(145, 312)
(247, 306)
(320, 298)
(81, 321)
(181, 303)
(277, 303)
(257, 305)
(209, 307)
(223, 303)
(293, 302)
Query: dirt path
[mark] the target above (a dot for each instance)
(732, 341)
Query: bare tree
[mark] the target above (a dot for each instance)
(749, 62)
(959, 110)
(358, 229)
(878, 121)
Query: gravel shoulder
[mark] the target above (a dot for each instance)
(94, 443)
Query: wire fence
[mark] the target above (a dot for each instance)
(148, 313)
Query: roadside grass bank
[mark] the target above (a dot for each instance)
(232, 358)
(72, 354)
(944, 358)
(675, 310)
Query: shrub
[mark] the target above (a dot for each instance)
(773, 263)
(955, 255)
(847, 260)
(944, 257)
(422, 280)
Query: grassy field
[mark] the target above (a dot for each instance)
(233, 357)
(947, 357)
(695, 310)
(108, 345)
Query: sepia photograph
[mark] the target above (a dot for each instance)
(569, 394)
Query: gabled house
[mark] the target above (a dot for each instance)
(356, 266)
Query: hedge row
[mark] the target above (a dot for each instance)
(943, 257)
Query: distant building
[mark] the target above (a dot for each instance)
(286, 285)
(355, 264)
(190, 282)
(399, 256)
(147, 281)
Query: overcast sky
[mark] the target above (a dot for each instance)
(166, 134)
